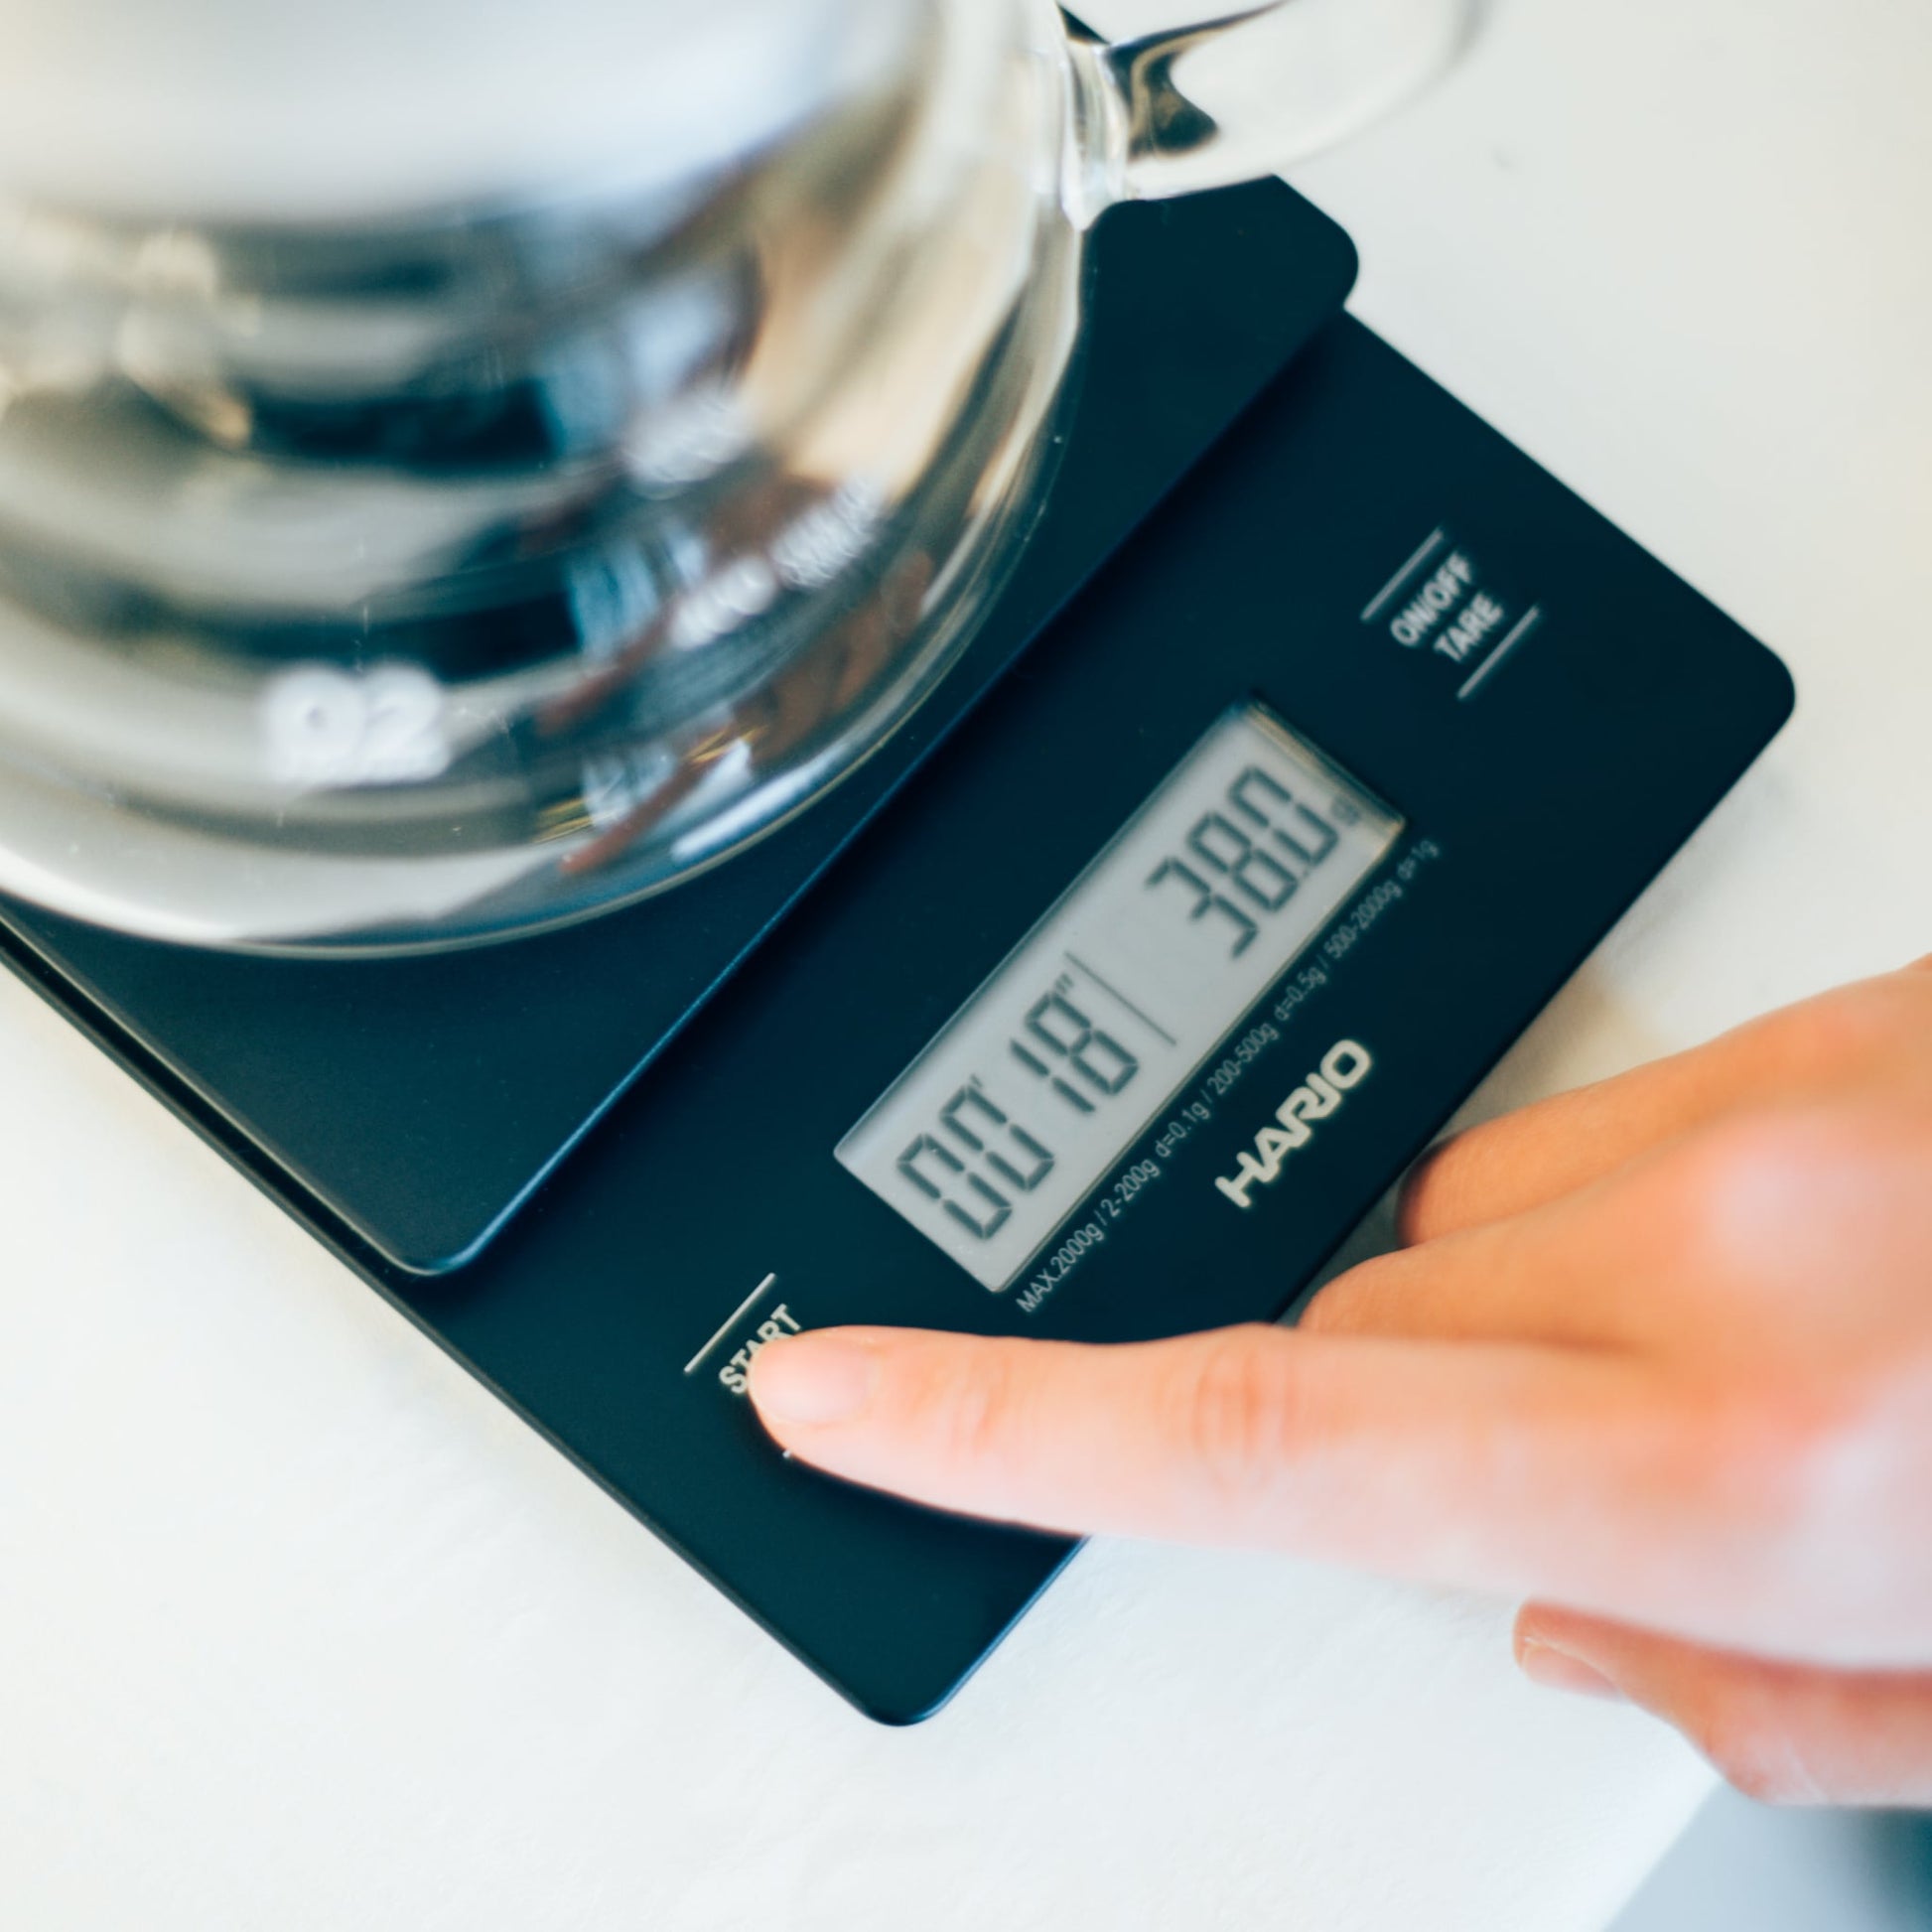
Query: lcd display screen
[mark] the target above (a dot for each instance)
(1105, 1010)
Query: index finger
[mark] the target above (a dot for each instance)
(1507, 1468)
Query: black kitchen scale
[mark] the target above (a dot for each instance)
(1102, 1004)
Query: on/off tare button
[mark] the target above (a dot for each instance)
(1442, 604)
(755, 1322)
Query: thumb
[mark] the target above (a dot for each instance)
(1463, 1463)
(1784, 1733)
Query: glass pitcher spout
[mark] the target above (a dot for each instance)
(1181, 109)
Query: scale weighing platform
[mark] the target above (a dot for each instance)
(1318, 739)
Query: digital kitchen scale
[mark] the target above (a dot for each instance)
(1101, 1004)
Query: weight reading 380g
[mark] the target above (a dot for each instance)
(1099, 1017)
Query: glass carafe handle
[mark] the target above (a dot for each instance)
(1177, 109)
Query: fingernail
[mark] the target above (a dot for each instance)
(813, 1380)
(1556, 1670)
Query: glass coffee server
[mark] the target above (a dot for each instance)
(462, 470)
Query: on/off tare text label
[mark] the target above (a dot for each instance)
(1439, 603)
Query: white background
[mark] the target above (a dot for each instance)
(298, 1628)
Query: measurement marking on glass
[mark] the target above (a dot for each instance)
(1502, 650)
(1408, 569)
(739, 1313)
(1121, 999)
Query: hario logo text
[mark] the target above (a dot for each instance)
(1344, 1070)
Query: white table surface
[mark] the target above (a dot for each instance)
(298, 1628)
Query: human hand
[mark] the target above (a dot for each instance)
(1657, 1355)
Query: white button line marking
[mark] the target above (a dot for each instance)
(1494, 660)
(1402, 576)
(738, 1315)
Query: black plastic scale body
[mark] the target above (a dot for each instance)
(602, 1166)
